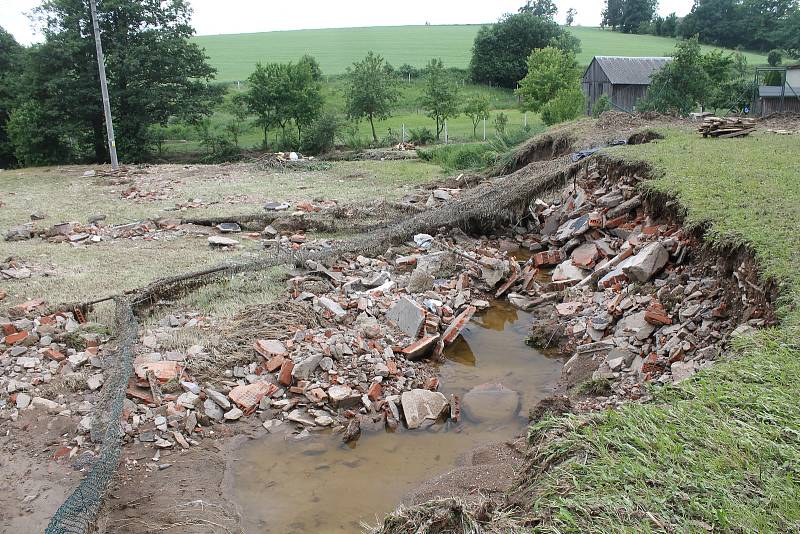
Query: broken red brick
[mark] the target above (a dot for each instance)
(285, 377)
(455, 408)
(316, 395)
(433, 383)
(18, 337)
(164, 371)
(616, 222)
(54, 354)
(506, 286)
(392, 365)
(25, 308)
(275, 363)
(595, 219)
(651, 364)
(551, 257)
(9, 329)
(247, 397)
(269, 347)
(374, 392)
(720, 312)
(458, 324)
(421, 348)
(655, 314)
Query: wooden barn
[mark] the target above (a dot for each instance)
(624, 79)
(776, 99)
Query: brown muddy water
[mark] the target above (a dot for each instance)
(321, 485)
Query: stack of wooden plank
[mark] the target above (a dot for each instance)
(727, 127)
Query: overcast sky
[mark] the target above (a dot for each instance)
(244, 16)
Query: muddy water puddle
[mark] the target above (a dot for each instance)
(321, 485)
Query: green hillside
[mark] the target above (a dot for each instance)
(236, 55)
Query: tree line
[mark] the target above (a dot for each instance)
(759, 25)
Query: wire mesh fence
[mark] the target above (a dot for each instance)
(79, 511)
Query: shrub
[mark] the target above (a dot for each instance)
(421, 136)
(458, 157)
(352, 137)
(320, 137)
(500, 123)
(602, 105)
(565, 106)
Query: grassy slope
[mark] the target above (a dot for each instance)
(722, 450)
(236, 55)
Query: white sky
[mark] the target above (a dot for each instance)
(215, 16)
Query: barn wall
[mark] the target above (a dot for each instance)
(627, 96)
(595, 84)
(773, 105)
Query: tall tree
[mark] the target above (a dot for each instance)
(550, 70)
(637, 14)
(306, 95)
(571, 14)
(440, 97)
(372, 91)
(268, 97)
(10, 66)
(500, 51)
(612, 14)
(681, 84)
(154, 73)
(540, 8)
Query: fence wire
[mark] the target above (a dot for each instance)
(79, 512)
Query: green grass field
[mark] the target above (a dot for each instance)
(235, 56)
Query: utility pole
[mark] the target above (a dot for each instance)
(101, 65)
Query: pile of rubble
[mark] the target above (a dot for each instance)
(626, 296)
(726, 127)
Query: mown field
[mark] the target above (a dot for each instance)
(236, 55)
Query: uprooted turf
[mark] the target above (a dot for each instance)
(721, 451)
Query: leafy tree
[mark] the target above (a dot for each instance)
(440, 96)
(714, 80)
(155, 72)
(11, 55)
(571, 14)
(407, 71)
(636, 14)
(788, 34)
(305, 96)
(550, 70)
(680, 84)
(774, 58)
(267, 97)
(540, 8)
(313, 64)
(567, 105)
(371, 91)
(477, 109)
(236, 107)
(612, 14)
(500, 51)
(670, 26)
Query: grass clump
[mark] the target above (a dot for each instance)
(458, 157)
(595, 387)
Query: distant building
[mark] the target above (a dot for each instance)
(774, 98)
(624, 79)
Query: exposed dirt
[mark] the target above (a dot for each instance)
(37, 472)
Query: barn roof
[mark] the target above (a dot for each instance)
(774, 91)
(630, 70)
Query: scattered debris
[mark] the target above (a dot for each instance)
(727, 127)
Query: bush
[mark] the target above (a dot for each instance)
(421, 136)
(320, 137)
(458, 157)
(565, 106)
(500, 123)
(352, 137)
(602, 105)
